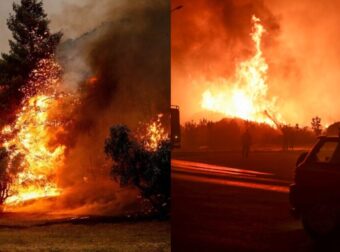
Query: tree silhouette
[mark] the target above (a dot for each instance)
(4, 175)
(32, 42)
(316, 125)
(149, 171)
(227, 134)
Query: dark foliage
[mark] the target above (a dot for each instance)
(4, 175)
(148, 170)
(32, 41)
(316, 125)
(11, 163)
(227, 134)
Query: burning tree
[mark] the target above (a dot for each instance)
(33, 153)
(30, 78)
(147, 169)
(32, 42)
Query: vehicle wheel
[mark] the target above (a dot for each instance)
(320, 221)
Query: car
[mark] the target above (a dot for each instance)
(315, 193)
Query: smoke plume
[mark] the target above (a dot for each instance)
(209, 38)
(121, 71)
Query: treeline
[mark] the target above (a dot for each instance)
(227, 134)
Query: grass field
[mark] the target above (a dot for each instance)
(23, 233)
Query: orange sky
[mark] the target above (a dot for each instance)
(210, 37)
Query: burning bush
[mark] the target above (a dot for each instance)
(148, 170)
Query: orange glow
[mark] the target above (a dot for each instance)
(154, 135)
(93, 80)
(36, 155)
(246, 95)
(228, 176)
(30, 137)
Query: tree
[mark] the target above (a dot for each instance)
(4, 175)
(11, 163)
(148, 170)
(316, 125)
(32, 42)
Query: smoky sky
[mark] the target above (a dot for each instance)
(62, 14)
(129, 57)
(209, 38)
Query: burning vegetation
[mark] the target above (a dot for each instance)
(144, 164)
(245, 96)
(253, 58)
(34, 158)
(53, 144)
(152, 133)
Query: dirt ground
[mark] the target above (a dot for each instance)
(32, 233)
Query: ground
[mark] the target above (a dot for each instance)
(19, 233)
(281, 163)
(216, 208)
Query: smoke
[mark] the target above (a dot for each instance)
(209, 38)
(121, 72)
(75, 18)
(304, 62)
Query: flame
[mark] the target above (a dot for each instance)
(34, 151)
(31, 137)
(246, 96)
(154, 134)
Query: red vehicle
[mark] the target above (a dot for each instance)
(315, 194)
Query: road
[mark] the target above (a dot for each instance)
(219, 208)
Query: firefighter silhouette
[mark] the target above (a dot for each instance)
(246, 143)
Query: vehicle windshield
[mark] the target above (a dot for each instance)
(328, 152)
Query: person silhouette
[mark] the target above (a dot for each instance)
(246, 143)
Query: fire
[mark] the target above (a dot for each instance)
(31, 136)
(34, 150)
(154, 134)
(246, 95)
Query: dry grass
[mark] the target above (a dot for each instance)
(123, 236)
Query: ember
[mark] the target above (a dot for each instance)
(153, 134)
(61, 110)
(30, 137)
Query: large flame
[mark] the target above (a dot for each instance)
(36, 154)
(246, 95)
(31, 137)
